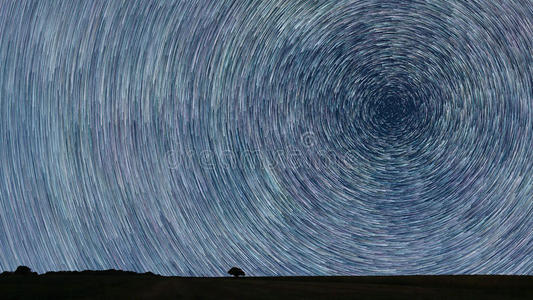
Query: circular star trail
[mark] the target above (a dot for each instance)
(282, 137)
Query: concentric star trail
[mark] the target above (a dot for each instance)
(283, 137)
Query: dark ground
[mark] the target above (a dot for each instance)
(121, 285)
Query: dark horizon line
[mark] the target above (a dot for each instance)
(150, 273)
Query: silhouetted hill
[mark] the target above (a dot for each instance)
(98, 272)
(23, 270)
(116, 284)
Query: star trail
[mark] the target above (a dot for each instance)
(356, 137)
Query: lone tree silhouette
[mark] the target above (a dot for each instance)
(23, 270)
(236, 272)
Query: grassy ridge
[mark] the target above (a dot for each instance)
(99, 285)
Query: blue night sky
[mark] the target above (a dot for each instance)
(283, 137)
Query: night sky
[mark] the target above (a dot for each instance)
(282, 137)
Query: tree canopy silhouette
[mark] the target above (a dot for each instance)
(236, 272)
(23, 270)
